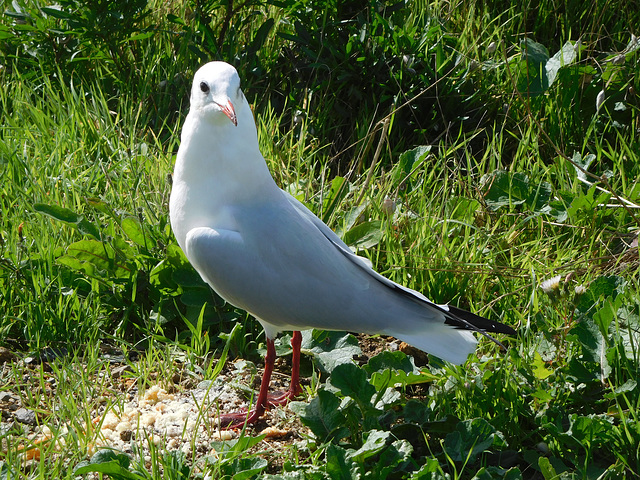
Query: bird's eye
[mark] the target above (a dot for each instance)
(204, 87)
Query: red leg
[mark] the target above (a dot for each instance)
(233, 420)
(294, 386)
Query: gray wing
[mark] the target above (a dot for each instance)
(360, 262)
(454, 316)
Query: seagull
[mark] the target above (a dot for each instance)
(263, 251)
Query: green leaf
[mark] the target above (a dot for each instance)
(430, 469)
(401, 175)
(532, 78)
(393, 456)
(583, 163)
(352, 216)
(540, 370)
(547, 470)
(565, 56)
(87, 228)
(375, 441)
(339, 465)
(415, 411)
(556, 209)
(352, 382)
(139, 36)
(629, 330)
(323, 416)
(542, 395)
(365, 235)
(513, 473)
(247, 467)
(332, 197)
(101, 206)
(261, 35)
(390, 360)
(506, 189)
(133, 229)
(330, 349)
(59, 213)
(535, 52)
(591, 429)
(585, 207)
(471, 438)
(230, 449)
(187, 277)
(600, 289)
(388, 369)
(462, 209)
(57, 12)
(107, 462)
(69, 217)
(92, 257)
(606, 315)
(594, 346)
(7, 473)
(628, 386)
(196, 297)
(175, 19)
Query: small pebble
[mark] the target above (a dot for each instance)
(22, 415)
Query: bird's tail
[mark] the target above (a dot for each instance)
(452, 340)
(450, 344)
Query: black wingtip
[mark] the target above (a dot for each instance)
(463, 319)
(470, 321)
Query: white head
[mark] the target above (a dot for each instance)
(216, 92)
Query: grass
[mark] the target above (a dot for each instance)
(474, 192)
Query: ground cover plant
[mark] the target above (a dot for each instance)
(485, 155)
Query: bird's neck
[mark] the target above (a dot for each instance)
(221, 155)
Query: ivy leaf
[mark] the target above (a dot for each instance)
(352, 382)
(399, 452)
(339, 465)
(471, 438)
(330, 349)
(375, 441)
(389, 369)
(323, 416)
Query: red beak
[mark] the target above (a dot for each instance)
(230, 112)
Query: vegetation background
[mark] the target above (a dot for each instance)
(484, 153)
